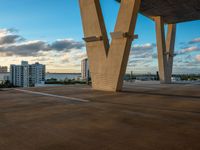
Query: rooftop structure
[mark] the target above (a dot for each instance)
(146, 116)
(108, 60)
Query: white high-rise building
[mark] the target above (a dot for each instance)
(19, 74)
(26, 75)
(85, 73)
(37, 73)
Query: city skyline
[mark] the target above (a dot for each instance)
(53, 35)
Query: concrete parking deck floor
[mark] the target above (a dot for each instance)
(143, 117)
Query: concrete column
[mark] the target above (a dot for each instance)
(170, 44)
(108, 63)
(97, 44)
(165, 49)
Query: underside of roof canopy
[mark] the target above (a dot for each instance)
(172, 11)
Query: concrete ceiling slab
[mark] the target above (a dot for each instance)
(172, 11)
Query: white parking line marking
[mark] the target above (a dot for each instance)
(52, 95)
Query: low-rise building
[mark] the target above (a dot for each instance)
(3, 69)
(4, 77)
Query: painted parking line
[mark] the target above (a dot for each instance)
(52, 95)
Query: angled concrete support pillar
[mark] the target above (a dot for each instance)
(108, 61)
(165, 49)
(170, 44)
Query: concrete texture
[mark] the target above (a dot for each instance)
(108, 61)
(165, 48)
(173, 11)
(143, 117)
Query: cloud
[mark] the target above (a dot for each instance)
(188, 50)
(30, 48)
(143, 50)
(141, 58)
(66, 44)
(9, 36)
(194, 41)
(143, 47)
(197, 58)
(12, 44)
(63, 54)
(9, 39)
(65, 58)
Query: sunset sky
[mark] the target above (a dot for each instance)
(50, 32)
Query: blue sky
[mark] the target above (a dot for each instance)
(54, 29)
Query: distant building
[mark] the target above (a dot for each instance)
(85, 73)
(16, 75)
(174, 79)
(146, 77)
(26, 75)
(4, 77)
(37, 74)
(3, 69)
(63, 76)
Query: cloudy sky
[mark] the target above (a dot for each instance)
(50, 31)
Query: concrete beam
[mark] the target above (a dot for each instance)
(108, 62)
(165, 49)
